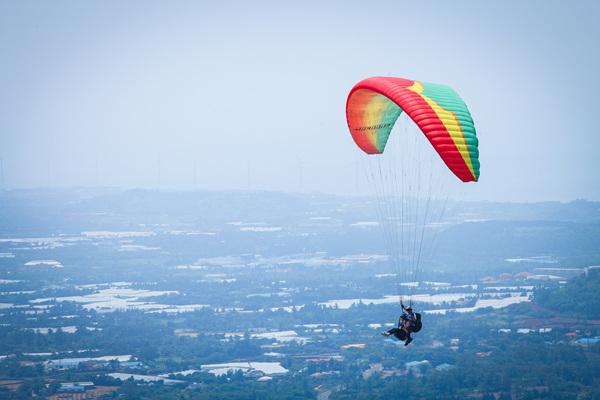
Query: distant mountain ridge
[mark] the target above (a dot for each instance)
(473, 236)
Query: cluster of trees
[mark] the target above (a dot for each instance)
(579, 297)
(521, 368)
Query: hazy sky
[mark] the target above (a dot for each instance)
(222, 95)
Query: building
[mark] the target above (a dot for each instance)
(75, 386)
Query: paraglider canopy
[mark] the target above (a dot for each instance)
(411, 186)
(374, 105)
